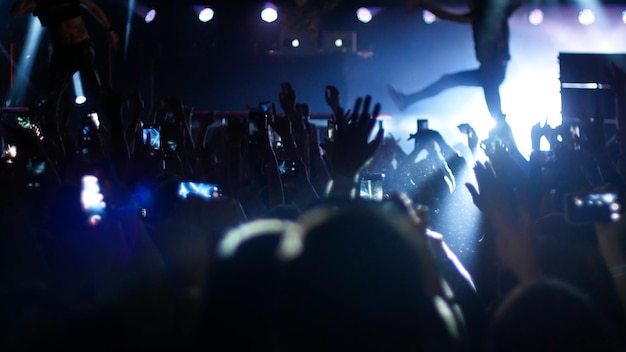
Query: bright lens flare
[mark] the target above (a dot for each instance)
(586, 17)
(78, 89)
(535, 17)
(269, 14)
(150, 16)
(428, 17)
(364, 14)
(206, 15)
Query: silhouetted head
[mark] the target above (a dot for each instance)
(550, 316)
(359, 284)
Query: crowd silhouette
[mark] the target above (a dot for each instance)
(179, 229)
(253, 232)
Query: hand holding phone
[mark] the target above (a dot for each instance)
(92, 200)
(331, 128)
(371, 187)
(592, 207)
(202, 190)
(152, 136)
(257, 124)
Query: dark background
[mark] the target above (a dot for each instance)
(236, 59)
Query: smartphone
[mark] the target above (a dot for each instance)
(202, 190)
(287, 168)
(95, 120)
(592, 207)
(24, 122)
(331, 128)
(10, 153)
(304, 110)
(265, 106)
(543, 158)
(257, 123)
(35, 172)
(86, 132)
(371, 187)
(152, 134)
(422, 125)
(92, 200)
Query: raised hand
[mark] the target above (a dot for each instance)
(511, 224)
(351, 150)
(494, 199)
(113, 40)
(287, 99)
(536, 132)
(472, 138)
(331, 93)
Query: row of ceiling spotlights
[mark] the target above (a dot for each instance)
(269, 14)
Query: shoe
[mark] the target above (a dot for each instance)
(397, 98)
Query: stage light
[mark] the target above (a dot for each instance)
(624, 16)
(535, 17)
(295, 43)
(25, 64)
(206, 14)
(428, 17)
(364, 14)
(586, 17)
(132, 4)
(339, 43)
(78, 89)
(150, 16)
(269, 13)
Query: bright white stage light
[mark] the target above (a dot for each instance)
(78, 89)
(339, 43)
(206, 14)
(295, 43)
(428, 17)
(150, 16)
(535, 17)
(364, 14)
(25, 64)
(586, 17)
(269, 14)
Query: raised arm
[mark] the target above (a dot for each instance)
(438, 11)
(23, 7)
(101, 17)
(97, 12)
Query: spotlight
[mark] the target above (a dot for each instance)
(150, 16)
(206, 14)
(295, 43)
(428, 17)
(535, 17)
(269, 13)
(339, 43)
(364, 14)
(586, 17)
(25, 64)
(78, 89)
(624, 16)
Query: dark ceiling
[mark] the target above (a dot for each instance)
(356, 3)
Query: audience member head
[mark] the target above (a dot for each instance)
(359, 284)
(550, 316)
